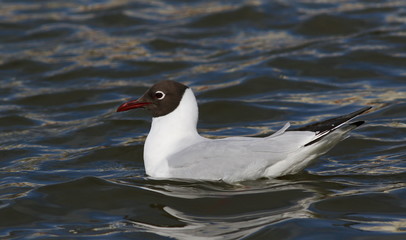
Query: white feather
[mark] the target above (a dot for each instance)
(174, 149)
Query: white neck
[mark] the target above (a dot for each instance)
(169, 134)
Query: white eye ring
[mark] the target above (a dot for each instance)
(159, 95)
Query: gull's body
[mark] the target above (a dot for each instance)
(174, 148)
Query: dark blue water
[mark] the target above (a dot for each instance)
(72, 168)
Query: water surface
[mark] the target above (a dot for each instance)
(72, 168)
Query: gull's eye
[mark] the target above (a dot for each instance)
(159, 95)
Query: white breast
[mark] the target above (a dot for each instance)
(170, 134)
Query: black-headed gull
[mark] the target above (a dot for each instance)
(174, 148)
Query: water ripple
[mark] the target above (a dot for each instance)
(72, 168)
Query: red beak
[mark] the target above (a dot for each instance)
(131, 104)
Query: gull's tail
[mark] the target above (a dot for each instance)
(324, 128)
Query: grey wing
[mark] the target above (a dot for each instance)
(235, 157)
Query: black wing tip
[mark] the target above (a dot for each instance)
(361, 111)
(324, 127)
(329, 124)
(353, 124)
(358, 123)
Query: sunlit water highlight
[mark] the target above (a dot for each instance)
(72, 168)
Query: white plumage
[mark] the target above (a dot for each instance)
(174, 149)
